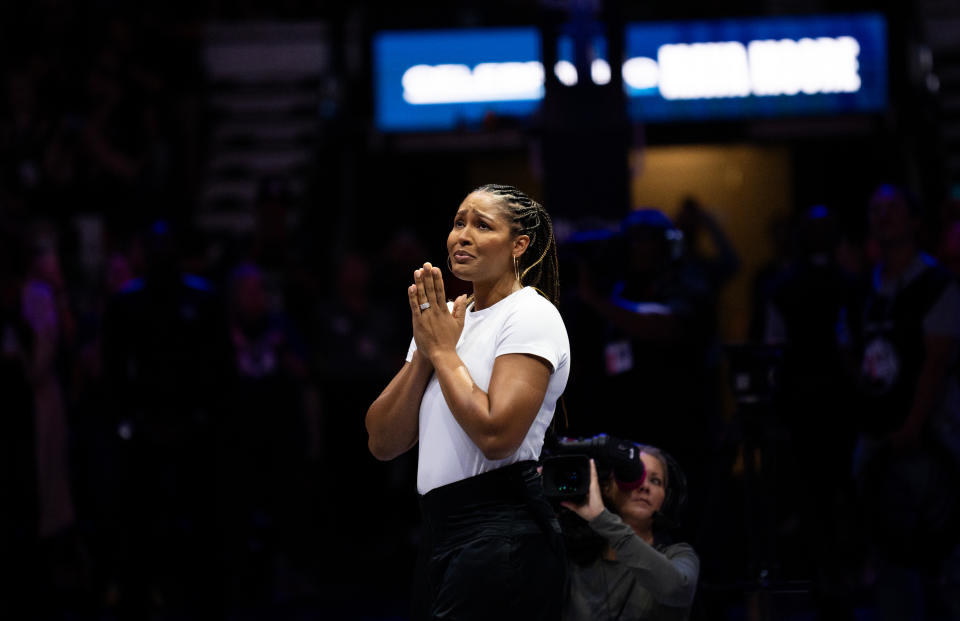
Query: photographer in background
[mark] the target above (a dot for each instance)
(622, 562)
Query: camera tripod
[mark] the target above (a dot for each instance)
(747, 458)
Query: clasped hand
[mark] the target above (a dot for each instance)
(436, 329)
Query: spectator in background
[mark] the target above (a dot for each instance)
(659, 358)
(806, 304)
(265, 441)
(39, 143)
(47, 312)
(948, 250)
(357, 334)
(695, 223)
(98, 448)
(37, 527)
(781, 246)
(18, 481)
(165, 364)
(717, 268)
(285, 255)
(905, 336)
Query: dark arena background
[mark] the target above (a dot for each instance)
(210, 212)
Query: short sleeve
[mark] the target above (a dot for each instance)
(535, 329)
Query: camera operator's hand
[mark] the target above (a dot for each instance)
(594, 504)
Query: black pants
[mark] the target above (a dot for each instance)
(491, 549)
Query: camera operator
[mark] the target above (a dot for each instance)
(622, 562)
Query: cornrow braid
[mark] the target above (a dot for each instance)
(538, 265)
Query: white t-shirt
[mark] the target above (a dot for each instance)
(522, 323)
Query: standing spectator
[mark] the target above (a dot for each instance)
(165, 363)
(265, 440)
(906, 334)
(806, 305)
(695, 222)
(766, 276)
(18, 486)
(948, 250)
(355, 360)
(46, 311)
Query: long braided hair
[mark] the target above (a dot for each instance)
(538, 265)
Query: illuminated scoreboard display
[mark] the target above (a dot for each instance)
(450, 78)
(749, 68)
(672, 71)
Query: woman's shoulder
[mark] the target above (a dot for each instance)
(679, 548)
(531, 307)
(529, 297)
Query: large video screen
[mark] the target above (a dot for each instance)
(443, 79)
(748, 68)
(672, 71)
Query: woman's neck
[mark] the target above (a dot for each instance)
(488, 294)
(644, 531)
(646, 535)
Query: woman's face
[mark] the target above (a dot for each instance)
(638, 505)
(481, 243)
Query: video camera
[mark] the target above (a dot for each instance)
(566, 465)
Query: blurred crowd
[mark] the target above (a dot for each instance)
(168, 443)
(183, 410)
(823, 454)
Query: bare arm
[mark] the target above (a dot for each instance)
(496, 420)
(930, 385)
(393, 419)
(727, 262)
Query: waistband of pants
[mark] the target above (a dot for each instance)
(510, 484)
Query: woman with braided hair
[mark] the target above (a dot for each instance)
(478, 392)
